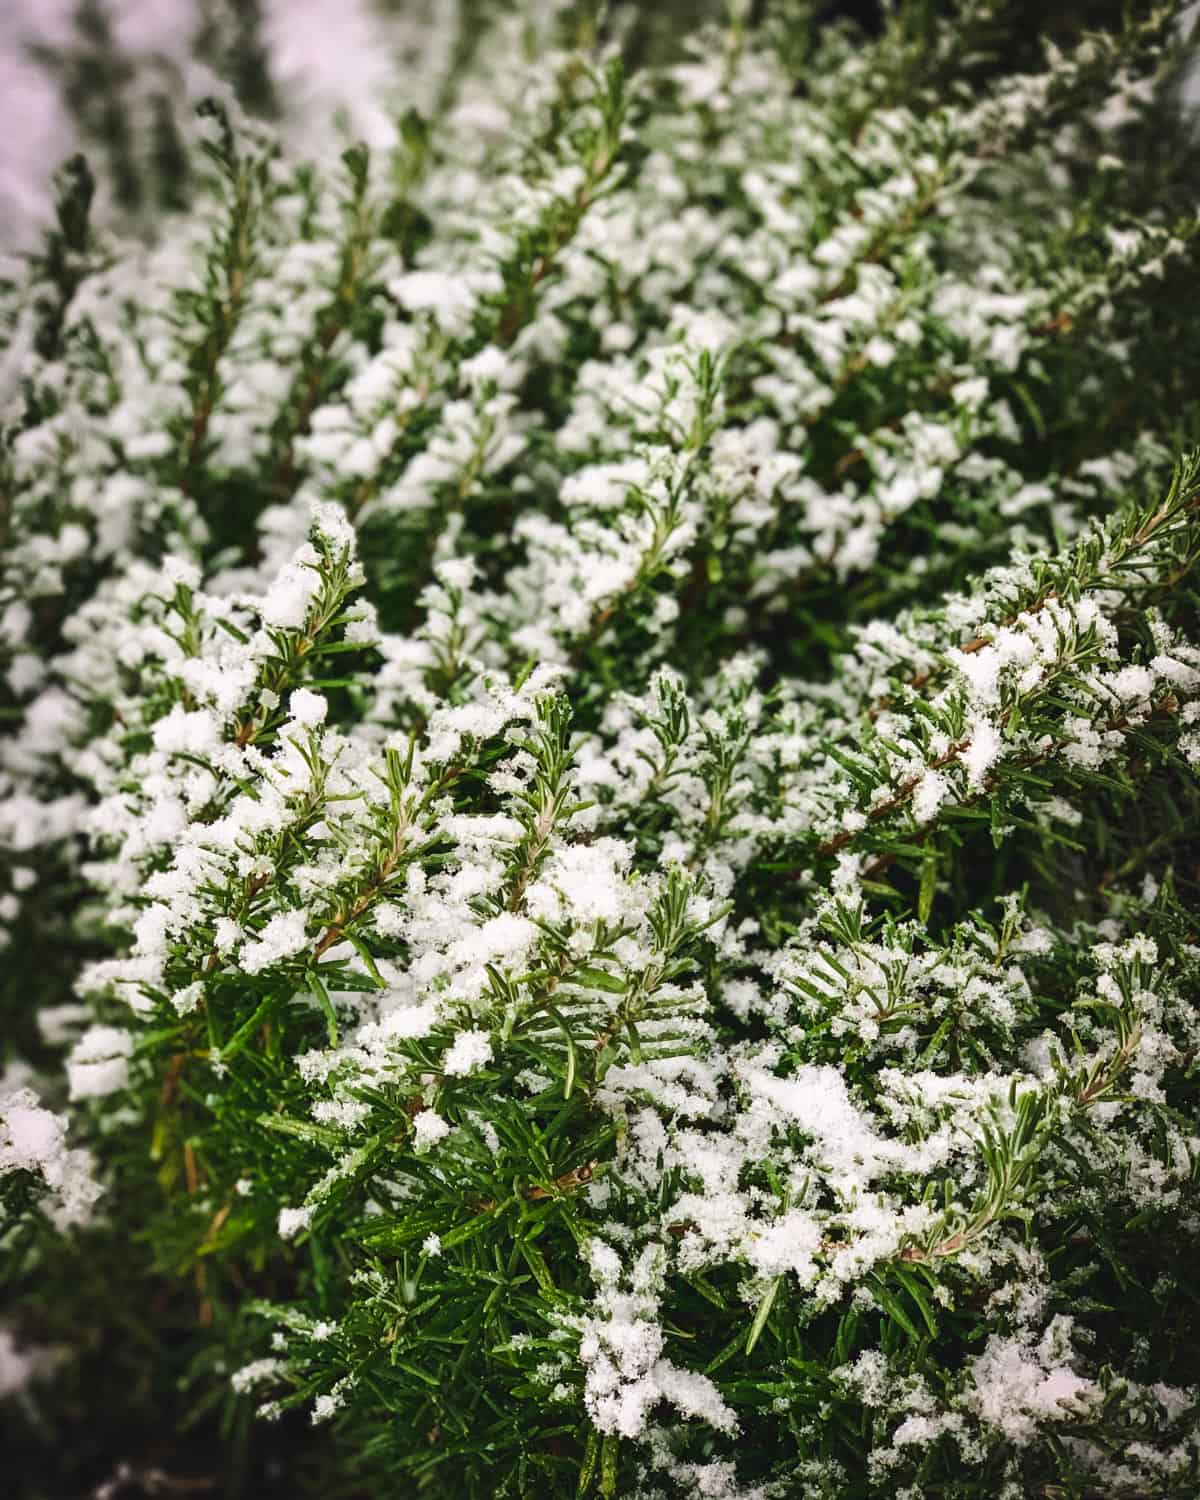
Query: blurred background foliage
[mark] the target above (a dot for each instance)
(122, 93)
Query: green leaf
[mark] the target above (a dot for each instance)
(919, 1294)
(598, 979)
(891, 1304)
(569, 1079)
(317, 987)
(762, 1313)
(484, 1220)
(735, 1346)
(609, 1451)
(707, 1290)
(304, 1130)
(365, 954)
(929, 874)
(247, 1029)
(536, 1262)
(587, 1469)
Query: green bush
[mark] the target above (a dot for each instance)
(598, 839)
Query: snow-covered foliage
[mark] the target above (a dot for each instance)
(599, 834)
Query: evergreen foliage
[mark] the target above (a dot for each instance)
(598, 832)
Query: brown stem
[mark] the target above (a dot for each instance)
(847, 836)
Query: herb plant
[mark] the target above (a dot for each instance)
(598, 842)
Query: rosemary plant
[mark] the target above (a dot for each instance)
(598, 820)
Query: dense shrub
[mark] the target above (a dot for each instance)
(599, 834)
